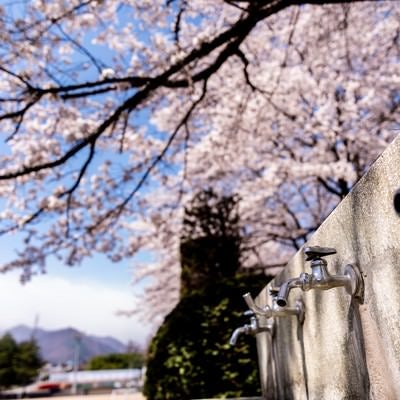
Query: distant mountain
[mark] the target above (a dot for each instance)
(21, 333)
(59, 346)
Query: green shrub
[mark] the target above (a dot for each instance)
(116, 361)
(190, 356)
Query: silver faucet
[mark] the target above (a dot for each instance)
(266, 312)
(251, 329)
(275, 310)
(320, 278)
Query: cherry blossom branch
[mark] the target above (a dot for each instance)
(238, 31)
(81, 48)
(330, 188)
(177, 25)
(69, 193)
(54, 20)
(230, 39)
(116, 212)
(17, 76)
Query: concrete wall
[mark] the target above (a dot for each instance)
(344, 349)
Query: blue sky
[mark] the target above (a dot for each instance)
(85, 297)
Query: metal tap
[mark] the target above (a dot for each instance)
(275, 310)
(251, 329)
(320, 278)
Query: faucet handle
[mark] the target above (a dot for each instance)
(273, 291)
(317, 252)
(259, 311)
(248, 313)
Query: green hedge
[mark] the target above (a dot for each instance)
(190, 356)
(116, 361)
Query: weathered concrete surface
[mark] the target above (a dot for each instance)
(345, 350)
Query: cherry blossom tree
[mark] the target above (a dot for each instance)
(114, 113)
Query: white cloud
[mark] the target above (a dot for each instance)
(59, 303)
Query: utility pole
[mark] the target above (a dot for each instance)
(35, 327)
(78, 339)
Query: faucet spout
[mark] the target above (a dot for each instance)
(285, 288)
(236, 333)
(250, 329)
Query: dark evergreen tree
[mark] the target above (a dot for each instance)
(8, 350)
(19, 363)
(190, 356)
(210, 241)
